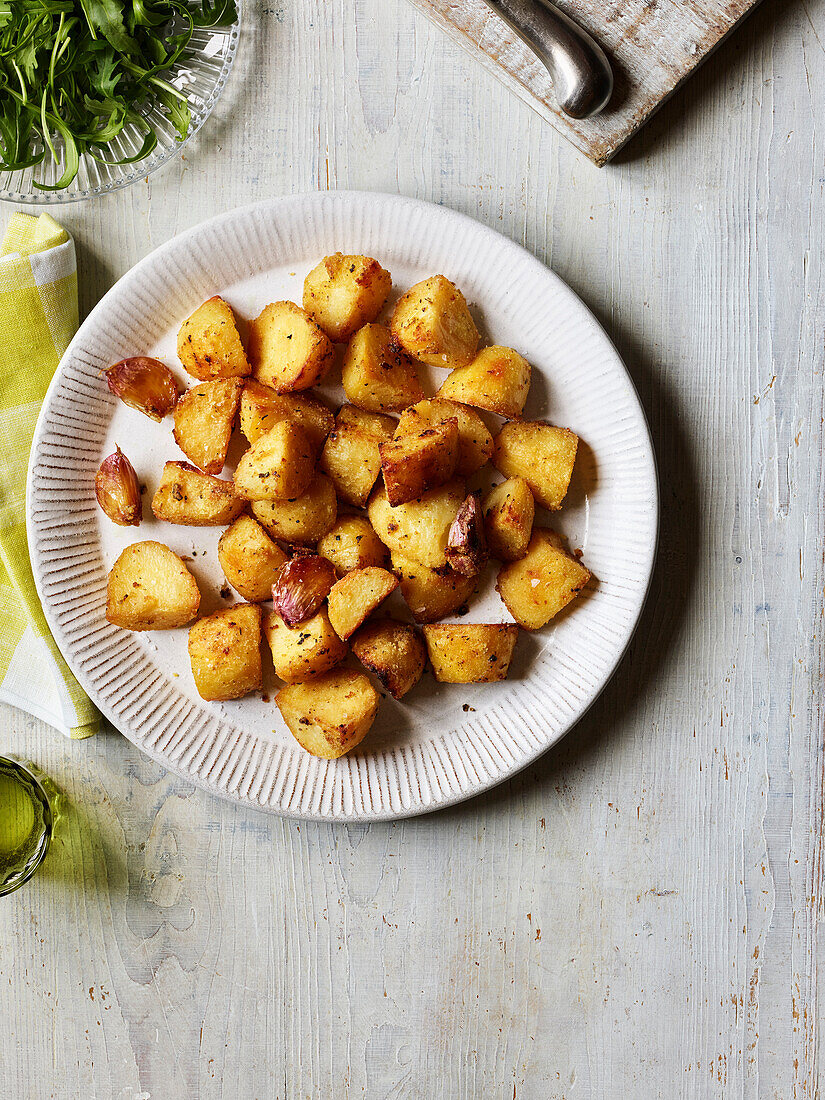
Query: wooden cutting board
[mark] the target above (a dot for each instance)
(654, 45)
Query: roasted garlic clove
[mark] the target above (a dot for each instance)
(146, 384)
(118, 491)
(302, 585)
(466, 543)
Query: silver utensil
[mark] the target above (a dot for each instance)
(581, 74)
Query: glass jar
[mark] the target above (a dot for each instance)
(26, 824)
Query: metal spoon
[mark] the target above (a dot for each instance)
(580, 72)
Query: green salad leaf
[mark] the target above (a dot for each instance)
(75, 73)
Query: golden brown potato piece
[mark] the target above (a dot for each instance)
(150, 588)
(330, 715)
(498, 380)
(250, 559)
(538, 586)
(303, 520)
(420, 528)
(225, 653)
(432, 323)
(203, 422)
(356, 595)
(540, 453)
(431, 596)
(353, 544)
(262, 408)
(351, 456)
(475, 653)
(509, 509)
(305, 651)
(209, 345)
(393, 651)
(412, 464)
(345, 292)
(278, 466)
(377, 374)
(475, 443)
(187, 496)
(287, 350)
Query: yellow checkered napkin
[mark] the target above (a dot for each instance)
(38, 318)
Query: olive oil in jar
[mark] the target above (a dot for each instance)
(25, 824)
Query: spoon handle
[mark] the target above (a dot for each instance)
(581, 74)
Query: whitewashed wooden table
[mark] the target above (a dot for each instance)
(639, 914)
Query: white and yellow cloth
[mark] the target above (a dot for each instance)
(38, 318)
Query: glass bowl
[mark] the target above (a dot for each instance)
(201, 72)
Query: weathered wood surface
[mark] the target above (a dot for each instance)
(653, 45)
(640, 914)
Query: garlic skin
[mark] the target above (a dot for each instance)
(145, 384)
(302, 585)
(466, 549)
(118, 491)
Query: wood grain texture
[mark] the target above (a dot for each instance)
(637, 916)
(653, 46)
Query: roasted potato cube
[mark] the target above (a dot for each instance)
(497, 380)
(225, 653)
(432, 323)
(466, 543)
(330, 715)
(353, 544)
(509, 509)
(475, 653)
(302, 586)
(351, 456)
(429, 595)
(345, 292)
(187, 496)
(538, 586)
(356, 595)
(393, 651)
(203, 422)
(150, 588)
(540, 453)
(412, 464)
(287, 350)
(305, 519)
(250, 559)
(303, 652)
(278, 466)
(377, 374)
(262, 408)
(475, 443)
(420, 528)
(209, 345)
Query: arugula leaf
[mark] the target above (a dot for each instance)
(215, 13)
(144, 15)
(175, 103)
(104, 76)
(71, 153)
(107, 17)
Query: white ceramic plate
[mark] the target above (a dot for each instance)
(443, 743)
